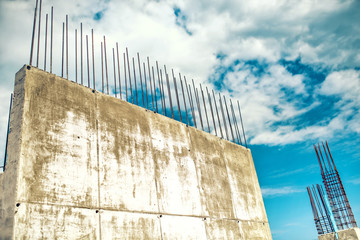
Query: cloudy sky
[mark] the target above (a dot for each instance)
(294, 66)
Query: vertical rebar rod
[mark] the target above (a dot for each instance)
(136, 94)
(242, 125)
(141, 83)
(46, 27)
(211, 109)
(207, 119)
(146, 91)
(217, 113)
(151, 87)
(67, 48)
(93, 57)
(38, 46)
(224, 118)
(114, 63)
(235, 123)
(33, 34)
(198, 104)
(51, 37)
(81, 55)
(157, 110)
(230, 124)
(190, 102)
(87, 59)
(62, 51)
(177, 95)
(118, 61)
(106, 68)
(161, 90)
(126, 91)
(8, 131)
(76, 80)
(183, 94)
(169, 92)
(102, 66)
(128, 64)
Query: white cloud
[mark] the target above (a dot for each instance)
(281, 191)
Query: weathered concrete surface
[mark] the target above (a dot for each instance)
(348, 234)
(84, 165)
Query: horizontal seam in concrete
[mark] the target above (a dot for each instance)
(141, 212)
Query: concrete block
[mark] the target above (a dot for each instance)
(182, 227)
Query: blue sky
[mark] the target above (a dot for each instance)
(294, 66)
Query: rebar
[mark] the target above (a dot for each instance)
(87, 60)
(136, 94)
(114, 63)
(46, 27)
(242, 125)
(51, 37)
(118, 61)
(182, 89)
(128, 64)
(160, 89)
(156, 106)
(142, 88)
(177, 95)
(169, 92)
(162, 85)
(62, 51)
(76, 80)
(38, 46)
(81, 55)
(102, 66)
(230, 124)
(146, 91)
(93, 57)
(33, 34)
(126, 91)
(151, 87)
(106, 69)
(207, 119)
(224, 119)
(67, 48)
(211, 109)
(198, 104)
(217, 113)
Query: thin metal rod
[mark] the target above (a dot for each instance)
(51, 37)
(118, 61)
(81, 54)
(198, 104)
(67, 48)
(163, 91)
(136, 94)
(183, 94)
(106, 69)
(177, 95)
(142, 88)
(102, 66)
(146, 91)
(188, 89)
(126, 91)
(33, 34)
(46, 27)
(76, 80)
(235, 123)
(224, 119)
(152, 68)
(190, 102)
(169, 92)
(87, 59)
(160, 89)
(128, 64)
(242, 125)
(62, 52)
(38, 46)
(217, 112)
(114, 63)
(8, 131)
(207, 119)
(230, 124)
(211, 108)
(93, 57)
(151, 87)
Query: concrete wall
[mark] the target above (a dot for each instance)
(84, 165)
(348, 234)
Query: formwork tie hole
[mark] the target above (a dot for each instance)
(18, 205)
(28, 67)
